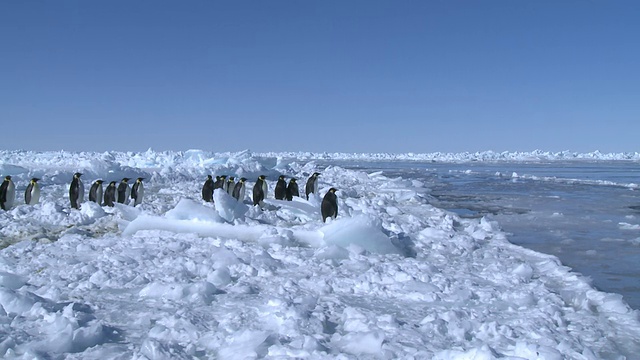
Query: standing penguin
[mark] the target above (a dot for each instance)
(292, 189)
(110, 194)
(329, 205)
(32, 194)
(76, 191)
(312, 185)
(281, 188)
(258, 190)
(123, 190)
(137, 191)
(7, 193)
(239, 190)
(95, 192)
(220, 181)
(207, 189)
(230, 185)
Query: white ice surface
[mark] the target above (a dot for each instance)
(177, 278)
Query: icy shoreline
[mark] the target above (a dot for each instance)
(392, 277)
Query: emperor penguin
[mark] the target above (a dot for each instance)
(258, 190)
(281, 188)
(7, 193)
(230, 185)
(239, 190)
(110, 194)
(124, 191)
(32, 194)
(207, 189)
(220, 181)
(76, 191)
(292, 189)
(312, 185)
(137, 191)
(95, 192)
(329, 206)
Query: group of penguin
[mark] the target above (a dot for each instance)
(76, 192)
(121, 193)
(112, 194)
(329, 206)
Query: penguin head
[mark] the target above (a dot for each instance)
(243, 180)
(223, 177)
(34, 180)
(293, 180)
(125, 179)
(262, 177)
(77, 175)
(8, 177)
(99, 181)
(231, 178)
(281, 177)
(333, 190)
(139, 179)
(113, 183)
(209, 177)
(316, 174)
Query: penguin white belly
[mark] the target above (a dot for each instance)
(127, 194)
(11, 195)
(99, 195)
(140, 195)
(80, 192)
(241, 195)
(35, 194)
(265, 188)
(230, 188)
(315, 187)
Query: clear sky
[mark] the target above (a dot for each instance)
(349, 76)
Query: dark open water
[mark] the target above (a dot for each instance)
(585, 213)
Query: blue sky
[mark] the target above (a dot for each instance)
(352, 76)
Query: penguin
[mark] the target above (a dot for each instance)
(76, 191)
(292, 189)
(312, 184)
(95, 192)
(329, 205)
(137, 191)
(7, 193)
(239, 190)
(123, 191)
(32, 194)
(220, 181)
(207, 189)
(110, 194)
(230, 184)
(258, 190)
(281, 188)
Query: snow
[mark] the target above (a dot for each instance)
(176, 277)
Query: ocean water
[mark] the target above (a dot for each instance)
(585, 213)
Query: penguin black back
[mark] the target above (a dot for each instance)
(95, 192)
(329, 206)
(292, 189)
(137, 191)
(281, 188)
(123, 190)
(110, 194)
(207, 189)
(220, 181)
(312, 184)
(258, 192)
(238, 190)
(32, 194)
(74, 191)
